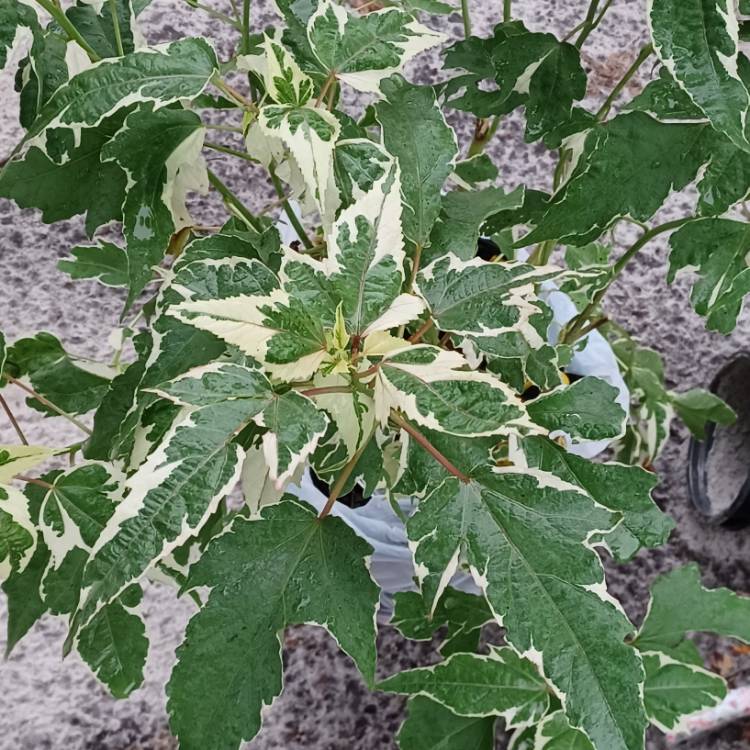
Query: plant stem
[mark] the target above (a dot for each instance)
(342, 478)
(72, 32)
(233, 201)
(246, 26)
(323, 390)
(576, 329)
(116, 27)
(415, 266)
(49, 404)
(13, 421)
(598, 323)
(643, 55)
(397, 419)
(230, 151)
(466, 15)
(415, 337)
(507, 11)
(588, 23)
(31, 480)
(483, 133)
(217, 14)
(288, 210)
(326, 85)
(232, 93)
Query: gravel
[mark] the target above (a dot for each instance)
(51, 704)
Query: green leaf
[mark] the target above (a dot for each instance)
(480, 299)
(97, 27)
(477, 169)
(426, 155)
(39, 178)
(696, 407)
(680, 604)
(462, 214)
(361, 50)
(14, 17)
(555, 733)
(75, 386)
(500, 684)
(664, 99)
(625, 489)
(524, 536)
(717, 248)
(430, 726)
(358, 164)
(425, 382)
(163, 75)
(650, 160)
(3, 353)
(585, 410)
(698, 41)
(17, 532)
(287, 568)
(674, 690)
(23, 588)
(463, 614)
(105, 262)
(156, 150)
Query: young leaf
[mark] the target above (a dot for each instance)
(163, 75)
(500, 684)
(18, 459)
(698, 43)
(426, 155)
(425, 382)
(586, 410)
(285, 82)
(287, 568)
(464, 614)
(650, 159)
(673, 690)
(626, 489)
(696, 407)
(363, 50)
(160, 153)
(105, 262)
(115, 646)
(18, 536)
(430, 726)
(523, 534)
(718, 249)
(555, 733)
(680, 604)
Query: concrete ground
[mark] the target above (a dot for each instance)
(48, 704)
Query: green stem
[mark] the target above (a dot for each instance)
(233, 202)
(232, 93)
(49, 404)
(116, 27)
(230, 151)
(397, 419)
(588, 23)
(288, 210)
(13, 421)
(217, 14)
(643, 55)
(507, 11)
(342, 478)
(482, 136)
(31, 480)
(324, 390)
(246, 26)
(466, 15)
(575, 330)
(72, 32)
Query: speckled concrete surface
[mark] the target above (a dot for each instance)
(48, 704)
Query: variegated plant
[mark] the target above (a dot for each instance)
(378, 350)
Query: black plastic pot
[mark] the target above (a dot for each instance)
(719, 466)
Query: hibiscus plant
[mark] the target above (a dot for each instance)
(379, 349)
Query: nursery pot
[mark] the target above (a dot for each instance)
(719, 466)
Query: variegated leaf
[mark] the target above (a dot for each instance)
(285, 81)
(16, 17)
(18, 535)
(673, 690)
(698, 42)
(363, 50)
(524, 535)
(428, 385)
(18, 459)
(286, 568)
(555, 733)
(499, 684)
